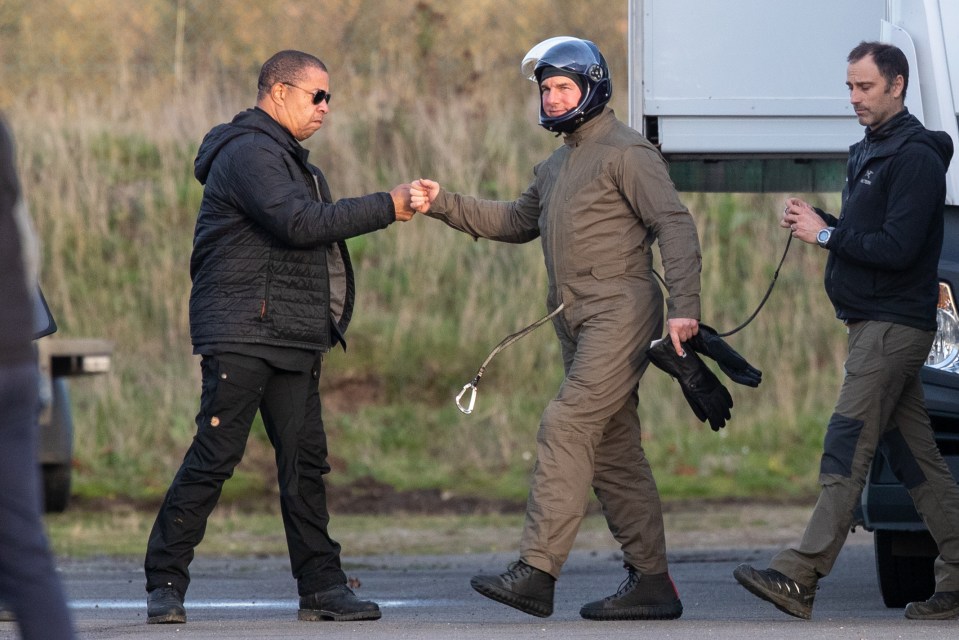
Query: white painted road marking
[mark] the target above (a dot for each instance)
(243, 604)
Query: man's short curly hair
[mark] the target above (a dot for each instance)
(285, 66)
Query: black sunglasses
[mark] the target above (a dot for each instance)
(318, 96)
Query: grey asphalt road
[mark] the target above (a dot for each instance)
(430, 598)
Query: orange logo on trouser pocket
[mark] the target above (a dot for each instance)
(214, 422)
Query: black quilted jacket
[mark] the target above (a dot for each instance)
(269, 264)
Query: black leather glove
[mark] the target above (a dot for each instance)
(705, 394)
(708, 343)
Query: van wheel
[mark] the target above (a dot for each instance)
(904, 566)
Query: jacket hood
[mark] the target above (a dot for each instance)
(905, 127)
(253, 120)
(940, 142)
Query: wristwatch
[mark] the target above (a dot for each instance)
(823, 236)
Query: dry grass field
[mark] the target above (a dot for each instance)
(109, 100)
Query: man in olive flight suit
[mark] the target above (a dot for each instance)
(597, 204)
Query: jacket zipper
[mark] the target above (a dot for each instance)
(266, 289)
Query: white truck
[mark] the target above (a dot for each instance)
(749, 96)
(57, 360)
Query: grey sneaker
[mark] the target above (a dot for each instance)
(785, 593)
(942, 605)
(337, 603)
(165, 606)
(640, 597)
(522, 587)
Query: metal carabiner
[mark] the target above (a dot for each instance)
(507, 341)
(467, 410)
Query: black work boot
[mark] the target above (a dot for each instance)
(785, 593)
(943, 605)
(337, 603)
(165, 606)
(640, 597)
(522, 587)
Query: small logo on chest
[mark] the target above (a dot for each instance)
(867, 179)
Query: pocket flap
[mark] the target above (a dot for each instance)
(609, 269)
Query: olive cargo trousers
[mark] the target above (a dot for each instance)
(880, 404)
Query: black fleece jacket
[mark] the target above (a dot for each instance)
(264, 233)
(884, 253)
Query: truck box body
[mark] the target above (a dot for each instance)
(750, 95)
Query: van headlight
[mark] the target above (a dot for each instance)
(944, 354)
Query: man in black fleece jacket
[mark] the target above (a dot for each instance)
(881, 276)
(272, 292)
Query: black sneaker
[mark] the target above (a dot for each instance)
(943, 605)
(640, 597)
(165, 606)
(337, 603)
(785, 593)
(522, 587)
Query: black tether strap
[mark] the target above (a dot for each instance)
(761, 302)
(510, 339)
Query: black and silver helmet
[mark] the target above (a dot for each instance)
(582, 58)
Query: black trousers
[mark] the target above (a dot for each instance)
(235, 387)
(29, 584)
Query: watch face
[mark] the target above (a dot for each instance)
(823, 236)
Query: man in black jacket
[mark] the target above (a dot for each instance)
(881, 276)
(272, 292)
